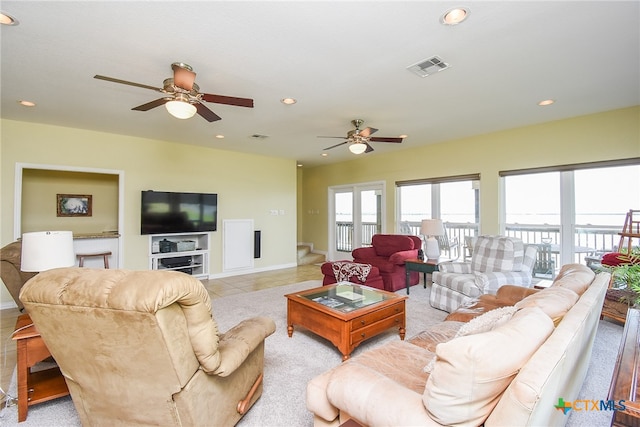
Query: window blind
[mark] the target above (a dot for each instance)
(572, 167)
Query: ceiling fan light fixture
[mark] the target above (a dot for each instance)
(180, 109)
(358, 147)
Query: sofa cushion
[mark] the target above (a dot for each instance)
(554, 301)
(497, 253)
(441, 332)
(472, 372)
(576, 277)
(388, 244)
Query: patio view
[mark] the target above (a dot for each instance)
(587, 204)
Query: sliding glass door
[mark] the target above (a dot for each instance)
(356, 214)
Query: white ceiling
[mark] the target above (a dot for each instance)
(340, 60)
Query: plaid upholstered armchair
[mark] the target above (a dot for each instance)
(496, 261)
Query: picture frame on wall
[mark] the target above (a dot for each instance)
(74, 205)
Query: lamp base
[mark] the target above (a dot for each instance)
(432, 250)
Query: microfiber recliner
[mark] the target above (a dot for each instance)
(141, 347)
(388, 253)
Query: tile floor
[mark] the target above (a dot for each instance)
(217, 288)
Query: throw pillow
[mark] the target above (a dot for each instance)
(487, 321)
(483, 323)
(472, 372)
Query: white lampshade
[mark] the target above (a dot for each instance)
(357, 148)
(44, 250)
(431, 228)
(180, 109)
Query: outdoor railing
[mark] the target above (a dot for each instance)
(600, 239)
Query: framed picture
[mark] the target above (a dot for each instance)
(74, 205)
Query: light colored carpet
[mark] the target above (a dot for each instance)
(291, 362)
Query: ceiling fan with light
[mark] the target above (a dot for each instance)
(358, 139)
(182, 96)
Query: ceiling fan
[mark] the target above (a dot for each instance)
(182, 96)
(358, 139)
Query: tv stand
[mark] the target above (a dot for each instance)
(185, 252)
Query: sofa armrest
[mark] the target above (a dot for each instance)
(511, 294)
(364, 253)
(238, 342)
(463, 267)
(399, 258)
(374, 399)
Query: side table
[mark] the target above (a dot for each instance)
(422, 266)
(36, 387)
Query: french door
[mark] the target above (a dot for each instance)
(355, 215)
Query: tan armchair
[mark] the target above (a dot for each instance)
(141, 347)
(10, 273)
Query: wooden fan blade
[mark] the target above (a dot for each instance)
(183, 78)
(385, 139)
(124, 82)
(206, 113)
(228, 100)
(153, 104)
(368, 131)
(337, 145)
(369, 148)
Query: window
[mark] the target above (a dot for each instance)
(578, 209)
(455, 200)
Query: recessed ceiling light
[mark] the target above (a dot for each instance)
(27, 103)
(403, 136)
(7, 19)
(299, 165)
(288, 101)
(546, 102)
(325, 154)
(220, 136)
(455, 16)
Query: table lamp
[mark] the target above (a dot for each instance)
(45, 250)
(432, 228)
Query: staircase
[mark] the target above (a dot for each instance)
(305, 256)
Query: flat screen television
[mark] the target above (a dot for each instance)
(164, 212)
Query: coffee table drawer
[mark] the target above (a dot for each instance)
(375, 328)
(371, 318)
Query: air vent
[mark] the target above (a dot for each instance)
(428, 66)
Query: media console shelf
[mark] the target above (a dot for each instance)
(185, 252)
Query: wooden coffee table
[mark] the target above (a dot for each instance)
(346, 314)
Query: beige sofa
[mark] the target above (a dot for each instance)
(507, 366)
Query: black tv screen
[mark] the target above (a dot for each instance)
(166, 212)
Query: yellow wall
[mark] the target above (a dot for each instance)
(243, 193)
(605, 136)
(39, 201)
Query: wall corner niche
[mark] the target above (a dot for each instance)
(35, 205)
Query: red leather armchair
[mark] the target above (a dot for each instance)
(388, 253)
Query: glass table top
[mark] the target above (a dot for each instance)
(346, 297)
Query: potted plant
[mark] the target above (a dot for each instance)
(626, 275)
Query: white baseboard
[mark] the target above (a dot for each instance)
(5, 305)
(250, 271)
